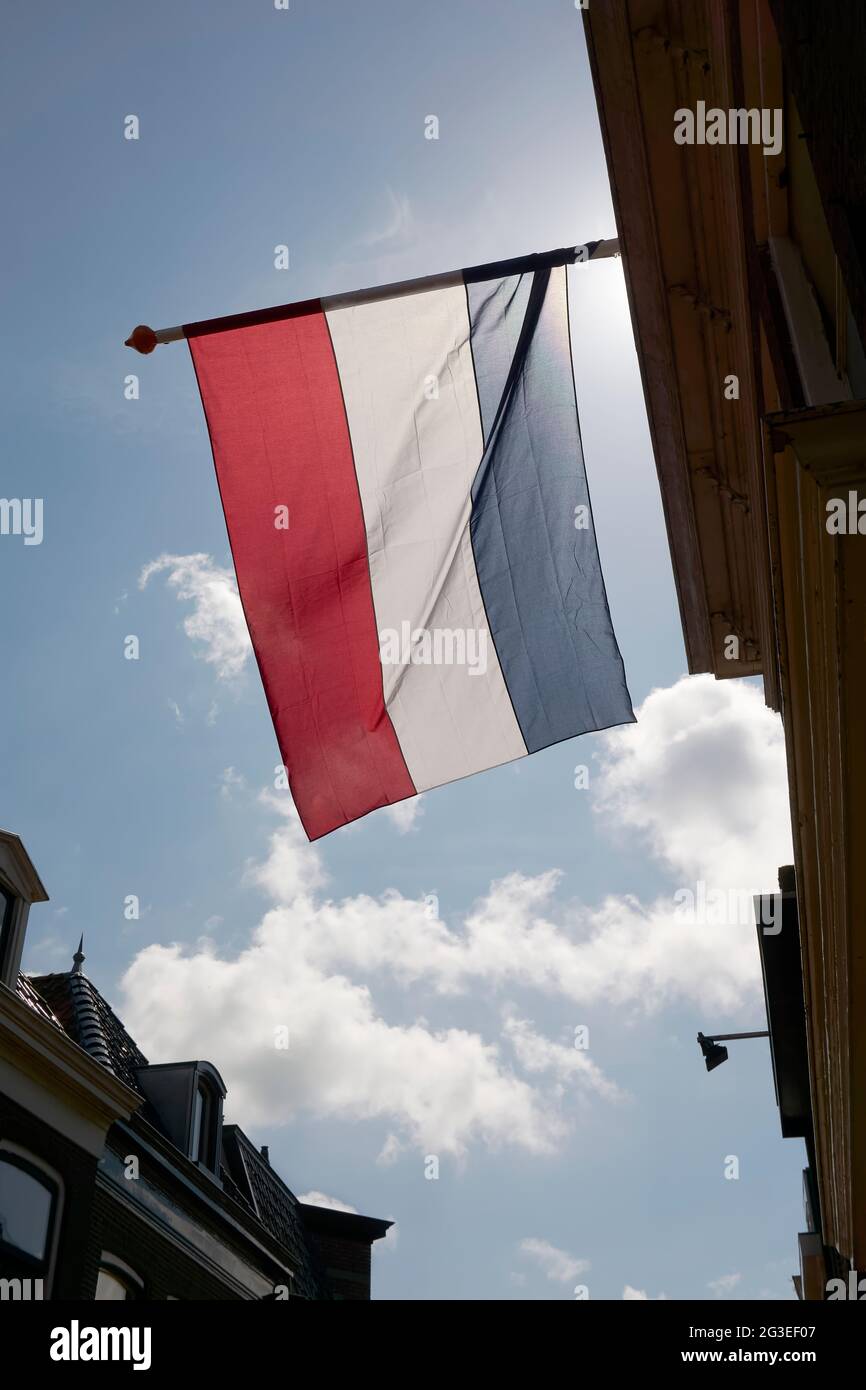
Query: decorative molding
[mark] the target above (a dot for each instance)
(52, 1076)
(680, 219)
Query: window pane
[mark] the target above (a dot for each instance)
(108, 1286)
(6, 901)
(197, 1117)
(25, 1210)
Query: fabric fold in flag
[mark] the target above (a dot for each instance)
(406, 500)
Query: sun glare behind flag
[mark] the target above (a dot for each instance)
(406, 500)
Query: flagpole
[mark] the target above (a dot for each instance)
(145, 339)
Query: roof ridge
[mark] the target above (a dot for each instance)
(264, 1165)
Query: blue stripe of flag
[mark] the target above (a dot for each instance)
(540, 574)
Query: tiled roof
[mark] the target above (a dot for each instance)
(89, 1021)
(25, 991)
(72, 1002)
(276, 1207)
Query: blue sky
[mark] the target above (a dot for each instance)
(410, 1036)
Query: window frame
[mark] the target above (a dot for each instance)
(7, 926)
(119, 1270)
(202, 1148)
(32, 1266)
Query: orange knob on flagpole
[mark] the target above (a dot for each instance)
(142, 338)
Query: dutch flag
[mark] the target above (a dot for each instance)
(404, 488)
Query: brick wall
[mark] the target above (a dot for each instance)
(165, 1270)
(347, 1264)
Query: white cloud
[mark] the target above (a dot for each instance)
(399, 224)
(639, 1295)
(702, 778)
(312, 963)
(321, 1199)
(390, 1151)
(444, 1089)
(437, 1089)
(404, 815)
(293, 867)
(556, 1264)
(538, 1054)
(216, 624)
(724, 1285)
(519, 933)
(230, 781)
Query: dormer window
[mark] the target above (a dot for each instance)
(19, 889)
(206, 1118)
(187, 1102)
(7, 912)
(201, 1136)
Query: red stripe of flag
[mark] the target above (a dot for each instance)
(278, 430)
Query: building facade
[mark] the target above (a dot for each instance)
(734, 132)
(119, 1179)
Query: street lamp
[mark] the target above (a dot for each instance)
(715, 1055)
